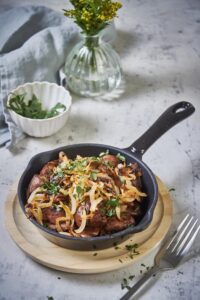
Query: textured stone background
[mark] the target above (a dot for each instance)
(159, 45)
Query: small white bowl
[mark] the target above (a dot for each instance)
(49, 94)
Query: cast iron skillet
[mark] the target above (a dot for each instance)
(173, 115)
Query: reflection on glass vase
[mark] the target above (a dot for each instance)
(92, 68)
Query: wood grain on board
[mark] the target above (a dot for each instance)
(28, 238)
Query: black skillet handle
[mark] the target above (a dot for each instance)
(173, 115)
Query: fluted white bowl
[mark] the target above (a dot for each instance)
(49, 94)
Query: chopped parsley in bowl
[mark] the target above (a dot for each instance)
(33, 108)
(39, 109)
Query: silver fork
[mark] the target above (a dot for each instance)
(172, 253)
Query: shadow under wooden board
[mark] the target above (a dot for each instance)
(28, 238)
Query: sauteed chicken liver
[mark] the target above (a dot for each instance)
(87, 196)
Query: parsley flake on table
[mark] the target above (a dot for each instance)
(124, 284)
(131, 248)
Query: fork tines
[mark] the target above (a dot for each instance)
(184, 236)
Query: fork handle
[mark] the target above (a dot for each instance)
(140, 283)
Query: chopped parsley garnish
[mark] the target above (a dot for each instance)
(172, 190)
(84, 162)
(79, 189)
(93, 175)
(124, 284)
(104, 153)
(60, 174)
(132, 250)
(77, 165)
(125, 281)
(51, 188)
(131, 247)
(112, 202)
(71, 167)
(56, 207)
(116, 246)
(110, 207)
(33, 108)
(57, 176)
(110, 213)
(55, 110)
(108, 164)
(121, 157)
(46, 225)
(94, 158)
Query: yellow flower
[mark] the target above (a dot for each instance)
(93, 15)
(102, 17)
(86, 15)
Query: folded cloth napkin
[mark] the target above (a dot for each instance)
(34, 42)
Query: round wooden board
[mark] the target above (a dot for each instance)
(28, 238)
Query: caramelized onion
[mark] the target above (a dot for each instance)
(83, 222)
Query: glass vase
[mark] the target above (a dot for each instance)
(92, 68)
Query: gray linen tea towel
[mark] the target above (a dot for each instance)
(34, 42)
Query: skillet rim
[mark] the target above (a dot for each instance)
(143, 224)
